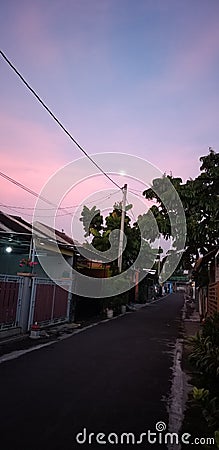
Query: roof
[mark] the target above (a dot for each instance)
(61, 237)
(15, 225)
(207, 257)
(21, 230)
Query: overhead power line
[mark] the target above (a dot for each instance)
(25, 188)
(30, 191)
(131, 211)
(18, 209)
(32, 208)
(56, 119)
(137, 195)
(136, 190)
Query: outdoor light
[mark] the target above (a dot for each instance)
(8, 249)
(151, 271)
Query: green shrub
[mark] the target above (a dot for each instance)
(211, 328)
(204, 357)
(205, 350)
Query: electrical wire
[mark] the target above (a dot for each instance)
(137, 195)
(17, 209)
(131, 212)
(25, 188)
(56, 119)
(133, 216)
(14, 209)
(136, 190)
(32, 208)
(30, 191)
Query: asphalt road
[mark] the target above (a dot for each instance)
(112, 378)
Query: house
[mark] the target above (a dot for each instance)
(16, 239)
(46, 297)
(206, 276)
(25, 298)
(15, 242)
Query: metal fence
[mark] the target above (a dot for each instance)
(213, 298)
(24, 301)
(11, 290)
(49, 302)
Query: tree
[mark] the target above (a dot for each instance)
(92, 220)
(104, 237)
(200, 200)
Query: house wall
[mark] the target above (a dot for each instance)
(26, 299)
(9, 264)
(213, 288)
(213, 298)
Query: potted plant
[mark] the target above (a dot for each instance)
(115, 305)
(27, 267)
(109, 313)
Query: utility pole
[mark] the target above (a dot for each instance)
(32, 252)
(160, 250)
(124, 190)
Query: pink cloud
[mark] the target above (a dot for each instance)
(29, 154)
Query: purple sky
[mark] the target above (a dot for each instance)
(138, 77)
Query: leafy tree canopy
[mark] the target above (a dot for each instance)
(102, 238)
(200, 200)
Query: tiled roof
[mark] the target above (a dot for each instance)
(205, 258)
(15, 224)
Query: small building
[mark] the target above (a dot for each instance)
(16, 244)
(206, 276)
(29, 289)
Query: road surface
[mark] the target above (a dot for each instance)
(112, 378)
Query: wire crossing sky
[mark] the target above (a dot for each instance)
(54, 117)
(124, 76)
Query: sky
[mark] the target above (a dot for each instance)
(123, 76)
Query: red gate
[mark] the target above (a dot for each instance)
(10, 300)
(50, 303)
